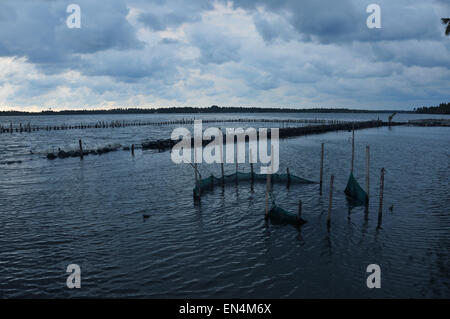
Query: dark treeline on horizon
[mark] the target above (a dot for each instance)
(443, 108)
(211, 109)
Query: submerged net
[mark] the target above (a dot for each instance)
(211, 181)
(281, 215)
(355, 192)
(276, 213)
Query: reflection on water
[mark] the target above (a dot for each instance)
(90, 212)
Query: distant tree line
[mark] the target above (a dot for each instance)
(192, 110)
(443, 108)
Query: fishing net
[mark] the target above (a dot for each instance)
(355, 193)
(211, 181)
(281, 215)
(276, 212)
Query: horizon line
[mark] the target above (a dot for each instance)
(212, 108)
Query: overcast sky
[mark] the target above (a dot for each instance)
(267, 53)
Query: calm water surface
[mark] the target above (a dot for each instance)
(90, 212)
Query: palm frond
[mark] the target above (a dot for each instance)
(447, 22)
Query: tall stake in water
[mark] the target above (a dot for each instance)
(330, 204)
(81, 149)
(353, 146)
(195, 166)
(251, 164)
(221, 161)
(367, 171)
(321, 168)
(380, 208)
(237, 157)
(268, 183)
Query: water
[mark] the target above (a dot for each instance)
(90, 212)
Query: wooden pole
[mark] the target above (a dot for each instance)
(221, 162)
(288, 176)
(132, 149)
(367, 171)
(196, 173)
(353, 146)
(321, 168)
(267, 195)
(269, 173)
(199, 183)
(330, 205)
(195, 167)
(300, 210)
(236, 162)
(81, 149)
(10, 127)
(251, 166)
(380, 208)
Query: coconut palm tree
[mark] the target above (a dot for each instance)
(447, 22)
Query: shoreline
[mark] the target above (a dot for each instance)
(195, 110)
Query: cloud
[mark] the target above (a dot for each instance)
(38, 31)
(330, 21)
(215, 47)
(272, 27)
(161, 15)
(250, 52)
(164, 21)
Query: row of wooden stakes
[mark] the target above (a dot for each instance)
(28, 128)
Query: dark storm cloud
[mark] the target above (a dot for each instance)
(159, 23)
(215, 47)
(330, 21)
(37, 30)
(247, 51)
(172, 13)
(272, 29)
(130, 66)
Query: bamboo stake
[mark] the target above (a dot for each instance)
(251, 165)
(196, 173)
(353, 147)
(321, 168)
(236, 162)
(132, 149)
(330, 205)
(199, 184)
(288, 176)
(195, 167)
(269, 173)
(221, 162)
(299, 210)
(380, 208)
(267, 195)
(367, 171)
(81, 149)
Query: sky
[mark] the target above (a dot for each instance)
(261, 53)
